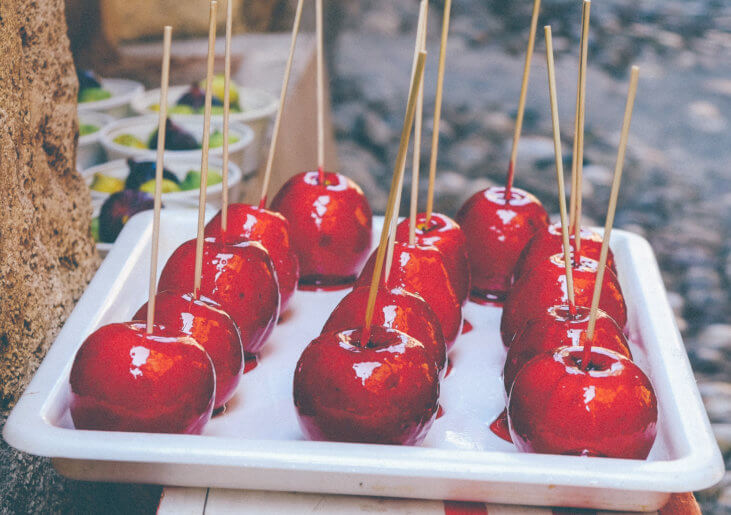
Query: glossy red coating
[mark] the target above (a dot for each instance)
(330, 226)
(420, 270)
(124, 379)
(211, 327)
(445, 234)
(497, 231)
(545, 286)
(240, 278)
(271, 229)
(384, 392)
(610, 410)
(556, 328)
(395, 309)
(548, 242)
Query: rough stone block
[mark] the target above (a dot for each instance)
(46, 252)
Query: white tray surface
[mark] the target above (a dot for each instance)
(257, 443)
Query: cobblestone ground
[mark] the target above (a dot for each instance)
(676, 190)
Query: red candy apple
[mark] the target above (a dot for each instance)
(211, 327)
(497, 230)
(330, 226)
(250, 223)
(545, 286)
(383, 391)
(395, 309)
(547, 242)
(420, 270)
(607, 408)
(445, 234)
(240, 278)
(555, 328)
(124, 379)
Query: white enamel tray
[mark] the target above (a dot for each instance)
(257, 443)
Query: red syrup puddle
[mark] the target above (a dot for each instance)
(500, 426)
(467, 327)
(449, 368)
(250, 362)
(440, 412)
(283, 317)
(325, 287)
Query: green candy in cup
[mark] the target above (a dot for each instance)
(177, 109)
(219, 83)
(128, 140)
(87, 128)
(106, 184)
(168, 186)
(93, 95)
(216, 140)
(95, 229)
(192, 180)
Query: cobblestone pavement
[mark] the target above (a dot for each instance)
(676, 189)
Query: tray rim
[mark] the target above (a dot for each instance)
(700, 466)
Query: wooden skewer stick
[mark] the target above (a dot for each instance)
(391, 207)
(155, 244)
(438, 110)
(572, 205)
(574, 151)
(421, 27)
(416, 152)
(559, 170)
(610, 212)
(580, 133)
(320, 93)
(392, 233)
(226, 114)
(205, 147)
(282, 98)
(521, 102)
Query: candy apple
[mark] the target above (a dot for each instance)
(144, 171)
(176, 138)
(330, 224)
(420, 270)
(545, 286)
(211, 327)
(250, 223)
(124, 379)
(395, 309)
(240, 278)
(195, 97)
(607, 408)
(547, 242)
(497, 230)
(445, 234)
(118, 208)
(383, 391)
(558, 327)
(88, 79)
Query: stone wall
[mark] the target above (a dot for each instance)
(46, 252)
(47, 255)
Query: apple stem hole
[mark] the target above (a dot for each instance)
(586, 364)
